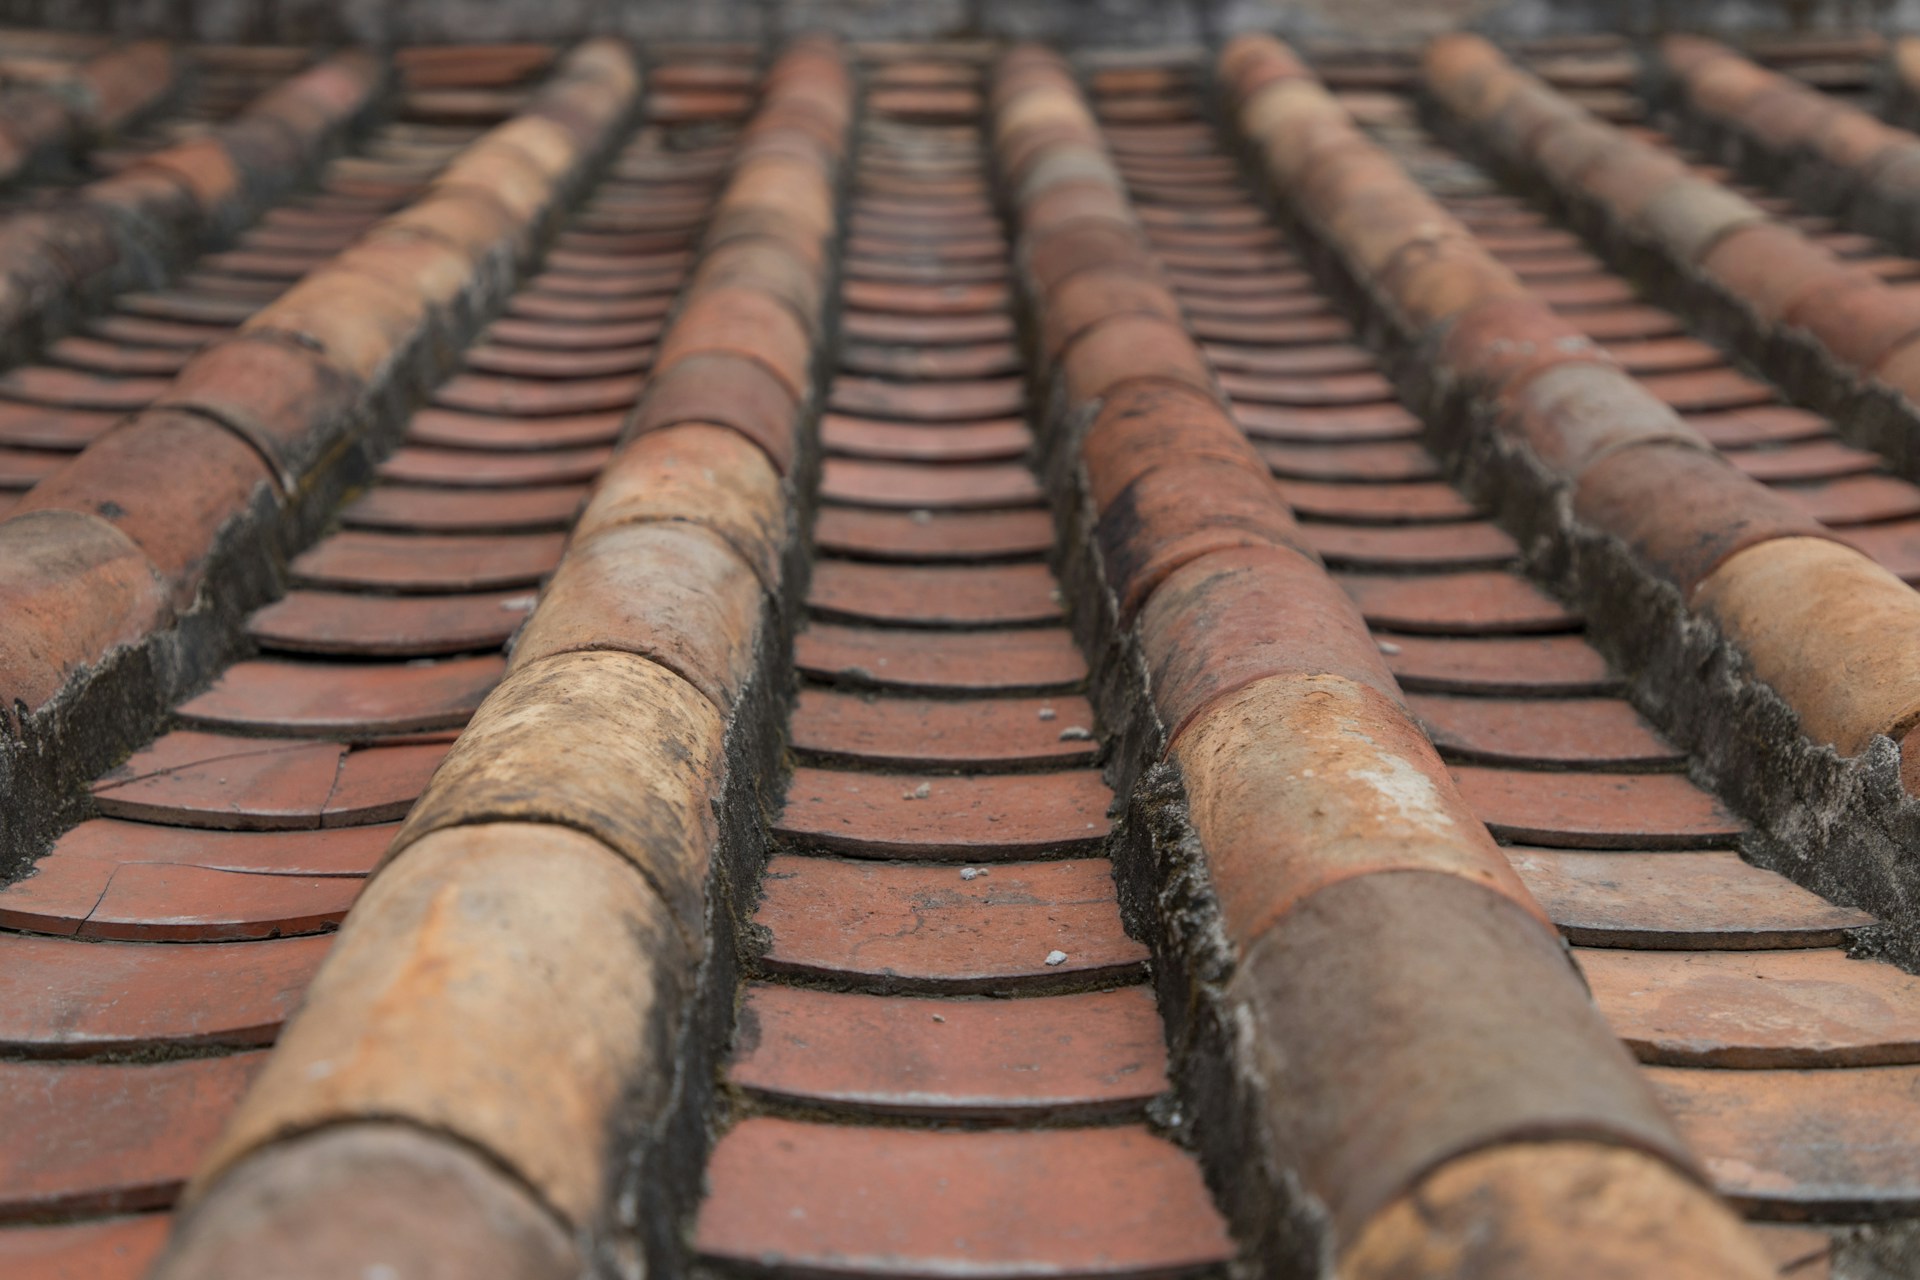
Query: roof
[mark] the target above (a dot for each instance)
(919, 659)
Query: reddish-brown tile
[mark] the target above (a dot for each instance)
(1117, 1201)
(1800, 1144)
(1757, 1009)
(1552, 732)
(404, 507)
(1085, 1054)
(347, 623)
(1478, 603)
(916, 485)
(943, 817)
(901, 927)
(429, 562)
(60, 997)
(941, 733)
(1596, 810)
(105, 1249)
(100, 1138)
(1006, 661)
(935, 596)
(329, 699)
(1679, 901)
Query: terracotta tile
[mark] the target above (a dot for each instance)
(154, 902)
(428, 562)
(826, 1197)
(513, 468)
(1410, 502)
(214, 480)
(1596, 810)
(1350, 462)
(344, 623)
(289, 401)
(527, 1055)
(1757, 1009)
(362, 1196)
(74, 389)
(1397, 999)
(1091, 1054)
(95, 355)
(1519, 665)
(947, 596)
(35, 427)
(98, 1138)
(704, 475)
(523, 397)
(898, 927)
(333, 699)
(1813, 460)
(67, 883)
(1041, 658)
(208, 780)
(1550, 1208)
(1556, 732)
(555, 335)
(1457, 603)
(946, 401)
(1811, 1144)
(1339, 423)
(187, 308)
(939, 733)
(1679, 901)
(655, 743)
(950, 818)
(979, 360)
(1235, 616)
(727, 390)
(1768, 424)
(403, 507)
(929, 535)
(70, 998)
(104, 1249)
(913, 485)
(530, 306)
(1326, 358)
(669, 591)
(1627, 323)
(73, 588)
(920, 329)
(989, 441)
(1474, 545)
(1854, 500)
(1803, 610)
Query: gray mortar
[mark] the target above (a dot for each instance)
(104, 713)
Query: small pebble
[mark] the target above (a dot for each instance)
(1056, 957)
(920, 792)
(1075, 733)
(972, 873)
(1048, 713)
(1388, 647)
(921, 516)
(938, 1018)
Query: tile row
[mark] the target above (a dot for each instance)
(1744, 559)
(943, 942)
(560, 856)
(253, 821)
(1818, 1160)
(1330, 826)
(47, 120)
